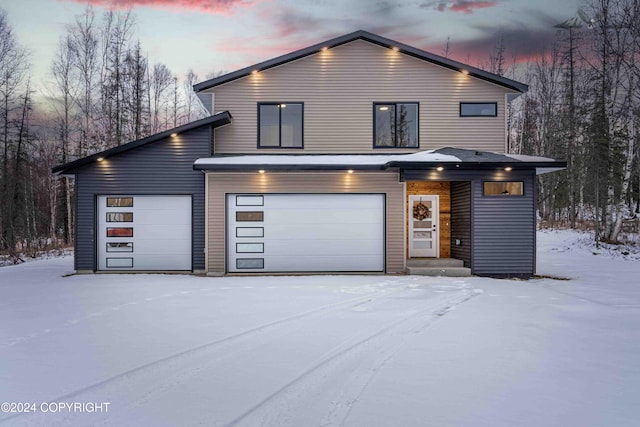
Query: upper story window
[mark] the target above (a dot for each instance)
(478, 109)
(280, 125)
(395, 125)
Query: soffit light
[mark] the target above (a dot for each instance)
(383, 108)
(439, 168)
(282, 105)
(100, 159)
(173, 135)
(395, 49)
(508, 168)
(261, 171)
(465, 72)
(350, 171)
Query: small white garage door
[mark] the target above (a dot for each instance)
(305, 232)
(144, 233)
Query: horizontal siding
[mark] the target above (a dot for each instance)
(338, 88)
(161, 168)
(220, 184)
(461, 221)
(504, 229)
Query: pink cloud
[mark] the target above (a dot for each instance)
(215, 7)
(467, 6)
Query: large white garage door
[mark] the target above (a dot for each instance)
(305, 232)
(144, 233)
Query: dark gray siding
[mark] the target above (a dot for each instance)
(504, 229)
(164, 167)
(461, 221)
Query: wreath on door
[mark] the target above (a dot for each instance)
(421, 211)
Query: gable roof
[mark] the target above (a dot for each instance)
(372, 38)
(216, 120)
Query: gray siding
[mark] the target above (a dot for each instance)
(461, 221)
(504, 229)
(164, 167)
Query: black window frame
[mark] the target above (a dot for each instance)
(503, 181)
(495, 105)
(280, 147)
(395, 129)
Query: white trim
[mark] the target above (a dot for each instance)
(206, 222)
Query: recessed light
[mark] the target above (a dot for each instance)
(350, 171)
(173, 135)
(325, 48)
(100, 159)
(439, 168)
(282, 105)
(254, 72)
(261, 171)
(508, 168)
(465, 72)
(395, 49)
(383, 108)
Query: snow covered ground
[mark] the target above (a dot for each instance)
(170, 350)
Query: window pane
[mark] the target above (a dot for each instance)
(269, 126)
(249, 263)
(249, 216)
(488, 109)
(385, 118)
(119, 202)
(120, 232)
(119, 262)
(120, 247)
(407, 120)
(291, 130)
(119, 216)
(503, 188)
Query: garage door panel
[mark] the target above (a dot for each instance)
(314, 232)
(161, 238)
(328, 263)
(308, 233)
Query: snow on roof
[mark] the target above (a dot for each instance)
(525, 158)
(333, 160)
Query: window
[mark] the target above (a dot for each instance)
(505, 188)
(257, 216)
(119, 232)
(280, 125)
(395, 125)
(119, 216)
(119, 202)
(478, 109)
(120, 247)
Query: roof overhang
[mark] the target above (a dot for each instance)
(444, 158)
(216, 120)
(372, 38)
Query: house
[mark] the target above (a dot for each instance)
(358, 154)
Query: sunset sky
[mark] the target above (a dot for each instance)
(216, 35)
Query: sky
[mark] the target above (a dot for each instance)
(210, 36)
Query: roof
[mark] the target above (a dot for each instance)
(216, 120)
(459, 158)
(372, 38)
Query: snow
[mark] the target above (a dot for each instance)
(333, 160)
(168, 350)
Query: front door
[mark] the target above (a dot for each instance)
(423, 227)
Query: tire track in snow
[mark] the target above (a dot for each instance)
(183, 358)
(354, 364)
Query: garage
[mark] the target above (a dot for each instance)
(305, 232)
(144, 233)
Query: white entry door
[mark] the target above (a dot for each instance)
(424, 227)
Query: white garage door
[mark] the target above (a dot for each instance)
(144, 233)
(305, 232)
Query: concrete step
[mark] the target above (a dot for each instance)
(440, 271)
(435, 262)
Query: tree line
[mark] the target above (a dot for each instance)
(583, 106)
(102, 92)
